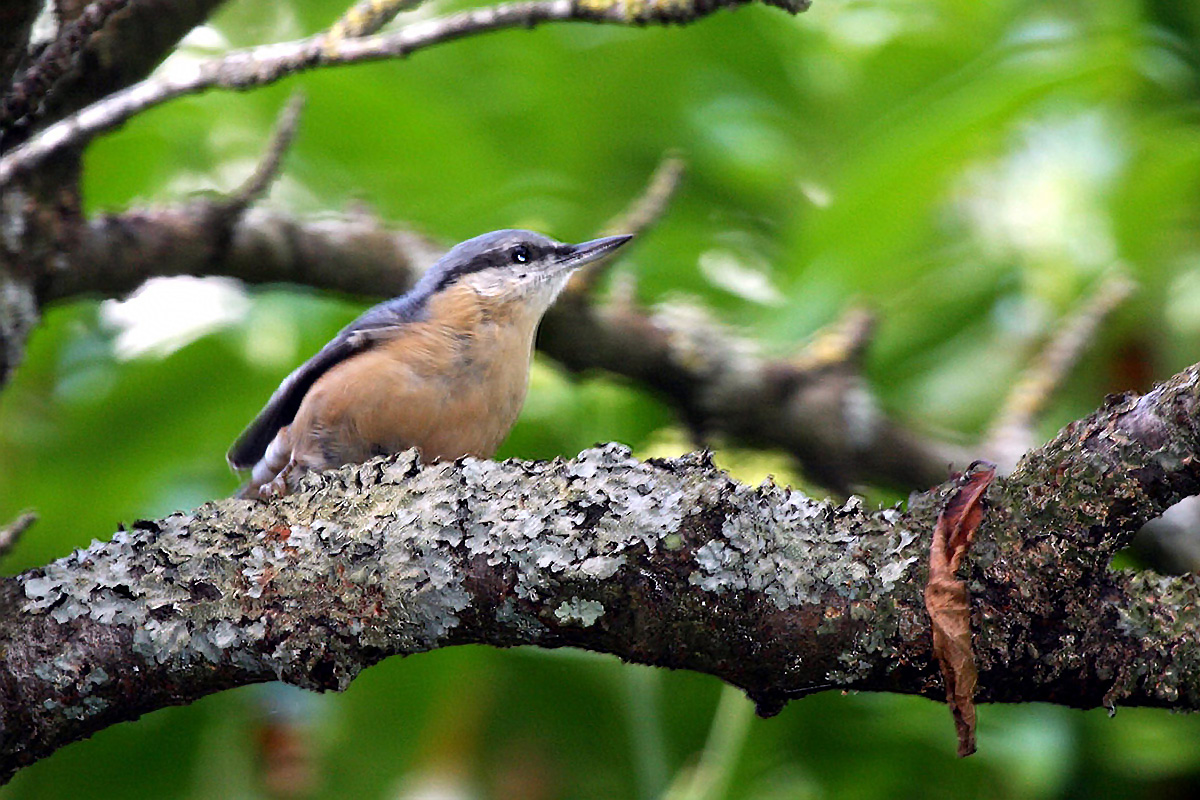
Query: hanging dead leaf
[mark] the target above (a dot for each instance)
(947, 602)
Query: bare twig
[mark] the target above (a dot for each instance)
(648, 207)
(259, 66)
(636, 218)
(1012, 434)
(268, 167)
(11, 533)
(27, 92)
(366, 17)
(841, 344)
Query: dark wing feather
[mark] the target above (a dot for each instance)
(379, 323)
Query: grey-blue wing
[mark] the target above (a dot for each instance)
(376, 325)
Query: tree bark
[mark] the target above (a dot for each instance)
(670, 563)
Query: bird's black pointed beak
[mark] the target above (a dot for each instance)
(584, 253)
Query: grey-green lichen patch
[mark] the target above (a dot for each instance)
(386, 571)
(853, 667)
(1157, 616)
(420, 582)
(394, 542)
(161, 582)
(581, 611)
(764, 528)
(545, 523)
(892, 571)
(793, 549)
(1143, 620)
(568, 522)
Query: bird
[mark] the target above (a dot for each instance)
(443, 368)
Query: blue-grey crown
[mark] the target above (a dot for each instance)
(495, 249)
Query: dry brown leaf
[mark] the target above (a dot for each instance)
(947, 602)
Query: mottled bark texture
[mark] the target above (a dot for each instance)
(24, 97)
(16, 22)
(669, 563)
(18, 316)
(96, 49)
(40, 217)
(128, 49)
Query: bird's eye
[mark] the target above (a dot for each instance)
(520, 254)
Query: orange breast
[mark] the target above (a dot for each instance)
(452, 387)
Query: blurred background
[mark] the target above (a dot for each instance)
(969, 170)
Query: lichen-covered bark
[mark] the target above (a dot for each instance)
(645, 560)
(1052, 610)
(18, 316)
(669, 563)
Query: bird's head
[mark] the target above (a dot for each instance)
(515, 266)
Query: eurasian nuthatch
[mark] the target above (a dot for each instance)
(443, 368)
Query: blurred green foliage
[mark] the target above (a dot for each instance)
(968, 169)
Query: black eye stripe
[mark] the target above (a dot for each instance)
(502, 254)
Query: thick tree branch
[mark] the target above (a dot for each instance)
(126, 50)
(259, 66)
(16, 22)
(666, 562)
(25, 96)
